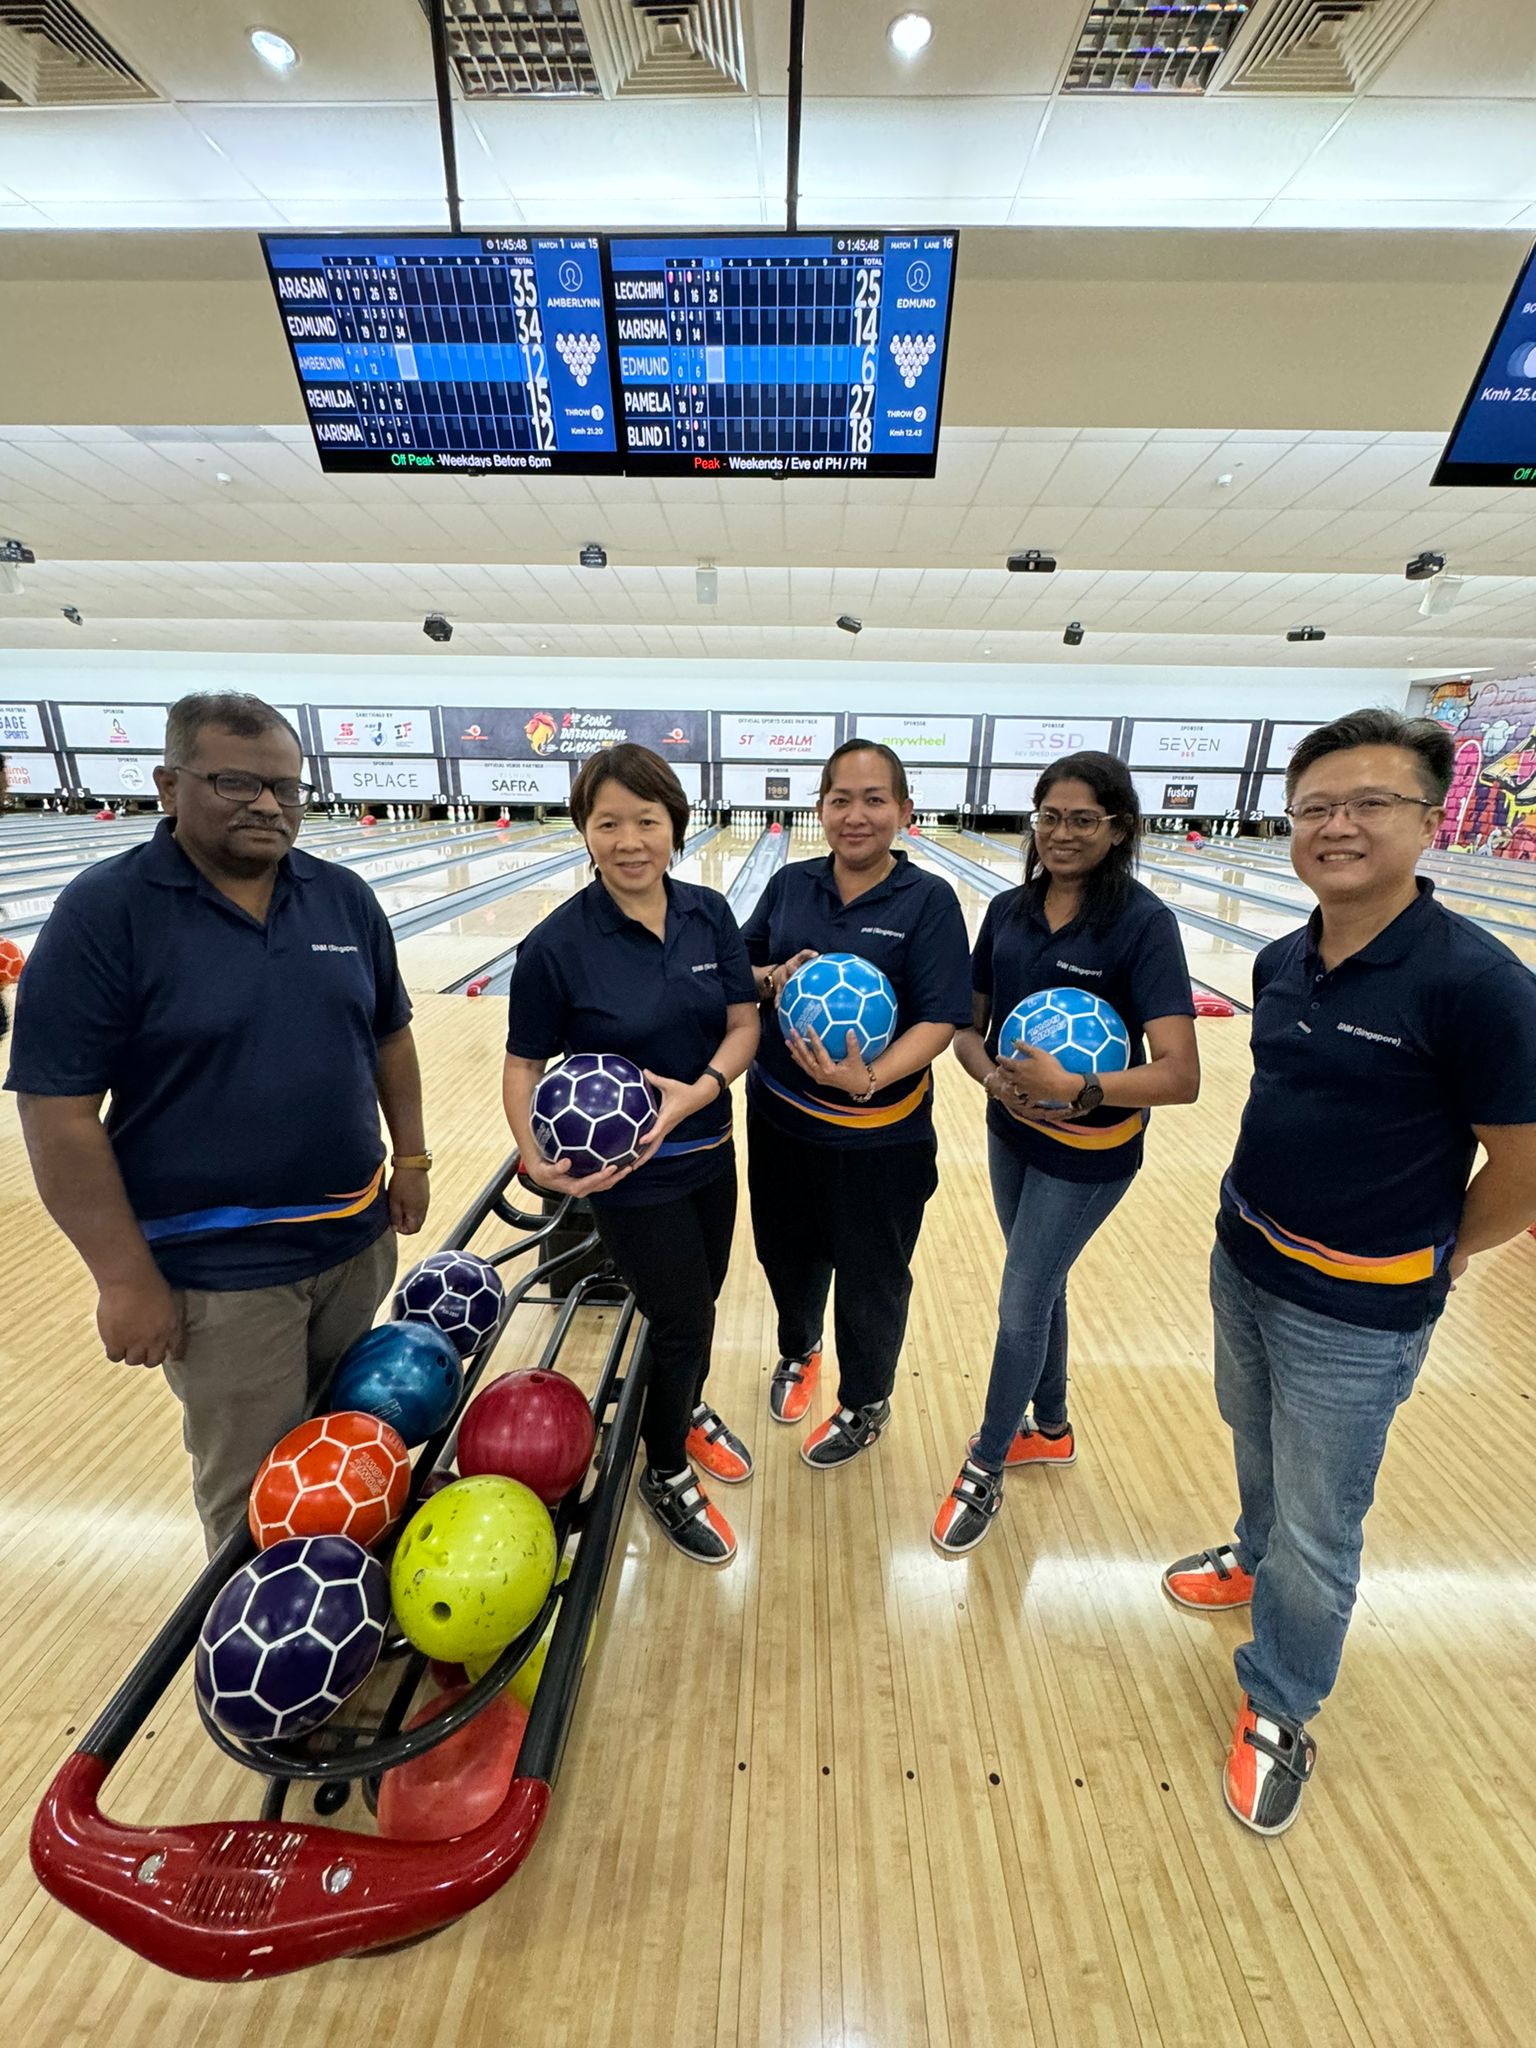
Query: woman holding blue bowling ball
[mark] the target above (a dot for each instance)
(1063, 1149)
(841, 1152)
(654, 969)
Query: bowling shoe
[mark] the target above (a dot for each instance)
(1209, 1581)
(716, 1448)
(1033, 1447)
(1267, 1769)
(792, 1385)
(969, 1511)
(687, 1517)
(845, 1433)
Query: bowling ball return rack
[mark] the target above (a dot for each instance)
(235, 1900)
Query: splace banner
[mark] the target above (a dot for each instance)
(550, 732)
(349, 731)
(1035, 742)
(777, 736)
(21, 725)
(1189, 743)
(919, 739)
(387, 781)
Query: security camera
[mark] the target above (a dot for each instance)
(1073, 636)
(847, 623)
(72, 615)
(436, 627)
(706, 583)
(17, 553)
(1423, 566)
(1306, 633)
(1033, 562)
(593, 556)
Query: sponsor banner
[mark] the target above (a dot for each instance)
(775, 736)
(117, 774)
(1189, 743)
(136, 728)
(1204, 796)
(32, 774)
(388, 781)
(919, 739)
(515, 782)
(374, 732)
(21, 725)
(936, 789)
(1284, 741)
(789, 787)
(1034, 742)
(1269, 796)
(550, 732)
(1012, 789)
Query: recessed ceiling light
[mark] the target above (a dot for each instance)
(273, 49)
(910, 34)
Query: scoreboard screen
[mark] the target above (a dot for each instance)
(1494, 440)
(780, 355)
(471, 354)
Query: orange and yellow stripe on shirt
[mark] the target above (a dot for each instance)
(206, 1222)
(853, 1118)
(1090, 1137)
(1396, 1269)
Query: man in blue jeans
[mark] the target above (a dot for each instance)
(1391, 1038)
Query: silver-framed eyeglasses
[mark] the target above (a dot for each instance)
(240, 786)
(1081, 822)
(1374, 807)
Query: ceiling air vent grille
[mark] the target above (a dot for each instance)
(50, 56)
(1143, 46)
(1322, 46)
(520, 49)
(682, 48)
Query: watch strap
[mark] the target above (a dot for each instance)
(419, 1159)
(719, 1080)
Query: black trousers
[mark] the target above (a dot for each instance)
(673, 1258)
(850, 1212)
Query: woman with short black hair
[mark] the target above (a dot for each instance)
(652, 968)
(1080, 920)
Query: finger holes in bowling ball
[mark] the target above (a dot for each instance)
(441, 1611)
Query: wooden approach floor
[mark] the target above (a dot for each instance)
(847, 1793)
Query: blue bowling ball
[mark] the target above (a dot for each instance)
(407, 1374)
(1080, 1030)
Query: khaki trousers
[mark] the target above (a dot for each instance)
(253, 1361)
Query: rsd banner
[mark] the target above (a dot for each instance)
(1189, 743)
(1035, 742)
(21, 725)
(920, 739)
(777, 736)
(349, 731)
(546, 732)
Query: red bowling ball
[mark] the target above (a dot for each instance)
(534, 1426)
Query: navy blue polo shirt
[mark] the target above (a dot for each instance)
(910, 926)
(592, 979)
(1346, 1189)
(238, 1057)
(1136, 964)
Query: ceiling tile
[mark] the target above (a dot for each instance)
(1433, 150)
(113, 154)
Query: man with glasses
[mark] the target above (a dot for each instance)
(1391, 1038)
(241, 1005)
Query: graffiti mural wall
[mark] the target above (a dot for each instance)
(1492, 803)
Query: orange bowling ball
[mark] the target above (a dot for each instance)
(12, 960)
(345, 1474)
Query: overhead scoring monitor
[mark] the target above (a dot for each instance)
(473, 354)
(1494, 438)
(780, 355)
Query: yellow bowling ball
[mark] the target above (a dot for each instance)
(524, 1682)
(473, 1568)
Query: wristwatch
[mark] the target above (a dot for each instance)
(421, 1159)
(719, 1080)
(1087, 1098)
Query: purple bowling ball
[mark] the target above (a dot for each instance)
(593, 1110)
(291, 1635)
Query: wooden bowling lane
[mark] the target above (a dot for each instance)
(848, 1791)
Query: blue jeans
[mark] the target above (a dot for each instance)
(1309, 1401)
(1046, 1221)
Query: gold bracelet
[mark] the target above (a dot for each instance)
(423, 1160)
